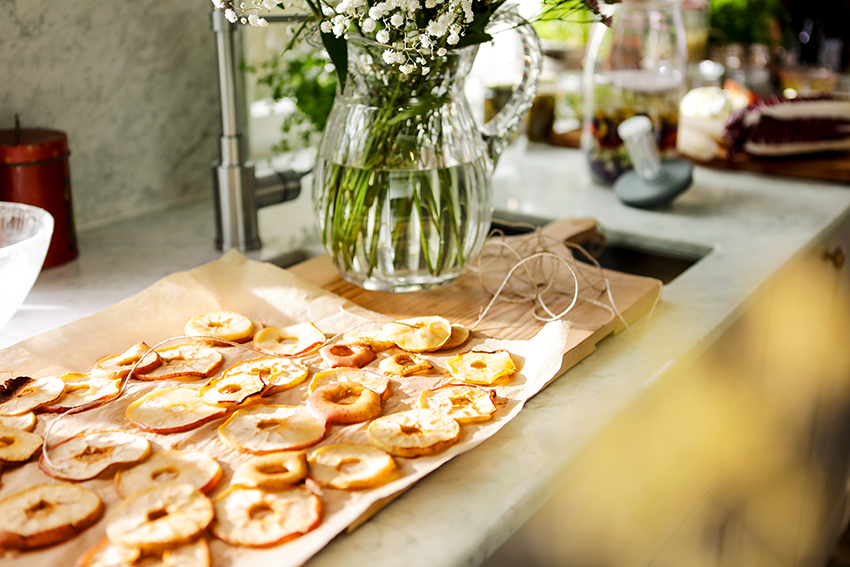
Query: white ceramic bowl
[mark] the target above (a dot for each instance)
(25, 233)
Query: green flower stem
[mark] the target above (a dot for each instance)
(355, 198)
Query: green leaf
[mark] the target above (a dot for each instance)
(474, 38)
(337, 49)
(425, 106)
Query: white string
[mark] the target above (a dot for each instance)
(536, 246)
(520, 252)
(45, 447)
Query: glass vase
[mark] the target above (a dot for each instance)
(402, 183)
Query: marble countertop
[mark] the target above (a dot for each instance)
(749, 225)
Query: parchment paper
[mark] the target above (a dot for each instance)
(274, 297)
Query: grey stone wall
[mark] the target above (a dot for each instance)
(133, 84)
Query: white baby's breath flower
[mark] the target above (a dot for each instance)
(368, 25)
(397, 20)
(441, 52)
(269, 4)
(243, 21)
(389, 56)
(425, 70)
(400, 57)
(467, 10)
(453, 39)
(327, 10)
(382, 36)
(436, 29)
(375, 13)
(425, 41)
(406, 69)
(253, 19)
(326, 26)
(242, 6)
(429, 4)
(219, 4)
(231, 16)
(339, 29)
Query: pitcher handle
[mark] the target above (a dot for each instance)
(498, 131)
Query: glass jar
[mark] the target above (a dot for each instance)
(637, 65)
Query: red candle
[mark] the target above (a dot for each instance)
(34, 170)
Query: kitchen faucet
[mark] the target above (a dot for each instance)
(240, 188)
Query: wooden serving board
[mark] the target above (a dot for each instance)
(463, 300)
(825, 167)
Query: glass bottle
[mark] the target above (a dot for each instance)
(635, 66)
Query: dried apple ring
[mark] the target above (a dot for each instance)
(272, 471)
(83, 389)
(348, 356)
(404, 364)
(414, 433)
(375, 340)
(232, 389)
(351, 467)
(460, 335)
(289, 341)
(159, 517)
(198, 469)
(256, 518)
(277, 374)
(46, 514)
(372, 380)
(264, 429)
(119, 365)
(106, 554)
(17, 445)
(86, 456)
(462, 402)
(196, 554)
(344, 402)
(419, 334)
(184, 360)
(25, 421)
(171, 410)
(482, 368)
(33, 395)
(225, 325)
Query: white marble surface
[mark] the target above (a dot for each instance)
(752, 225)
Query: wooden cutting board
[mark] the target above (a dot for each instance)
(462, 301)
(826, 167)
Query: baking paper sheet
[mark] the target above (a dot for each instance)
(274, 297)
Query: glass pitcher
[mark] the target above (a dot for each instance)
(638, 65)
(402, 183)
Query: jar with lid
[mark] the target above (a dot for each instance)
(637, 65)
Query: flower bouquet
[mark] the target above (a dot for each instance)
(402, 183)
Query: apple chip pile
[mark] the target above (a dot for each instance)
(297, 416)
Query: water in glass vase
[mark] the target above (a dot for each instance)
(403, 230)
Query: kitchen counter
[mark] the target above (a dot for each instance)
(749, 227)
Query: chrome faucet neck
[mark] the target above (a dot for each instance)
(235, 181)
